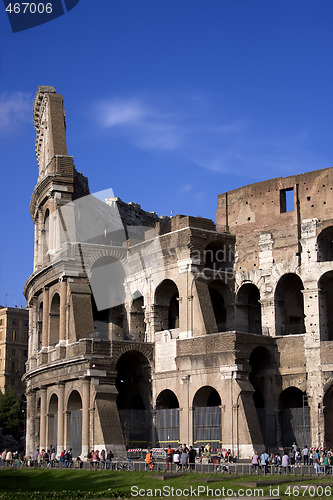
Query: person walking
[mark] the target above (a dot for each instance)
(264, 461)
(191, 457)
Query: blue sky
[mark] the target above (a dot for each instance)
(168, 102)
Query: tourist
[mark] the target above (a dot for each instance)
(184, 458)
(305, 453)
(264, 461)
(191, 457)
(286, 462)
(169, 455)
(255, 462)
(176, 459)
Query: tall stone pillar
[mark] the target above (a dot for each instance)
(60, 429)
(67, 420)
(42, 432)
(85, 418)
(45, 330)
(30, 423)
(62, 318)
(186, 413)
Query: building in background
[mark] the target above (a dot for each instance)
(14, 327)
(150, 330)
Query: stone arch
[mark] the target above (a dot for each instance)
(222, 303)
(40, 326)
(207, 421)
(218, 255)
(328, 414)
(107, 280)
(325, 245)
(137, 317)
(166, 306)
(325, 299)
(263, 380)
(294, 417)
(74, 422)
(248, 309)
(133, 383)
(167, 419)
(289, 305)
(54, 326)
(46, 233)
(52, 421)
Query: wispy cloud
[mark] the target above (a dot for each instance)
(144, 125)
(200, 133)
(15, 109)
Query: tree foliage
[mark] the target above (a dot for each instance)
(12, 413)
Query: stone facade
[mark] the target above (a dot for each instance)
(145, 329)
(14, 325)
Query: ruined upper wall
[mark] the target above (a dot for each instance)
(261, 206)
(50, 125)
(276, 207)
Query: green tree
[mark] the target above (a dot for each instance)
(12, 414)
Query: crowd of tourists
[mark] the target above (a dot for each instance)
(278, 463)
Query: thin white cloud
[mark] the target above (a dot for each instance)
(199, 133)
(15, 109)
(120, 113)
(186, 188)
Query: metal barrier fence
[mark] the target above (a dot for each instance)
(221, 468)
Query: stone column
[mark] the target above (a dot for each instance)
(60, 429)
(30, 425)
(45, 331)
(85, 418)
(62, 318)
(42, 432)
(67, 418)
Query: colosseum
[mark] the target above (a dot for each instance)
(155, 330)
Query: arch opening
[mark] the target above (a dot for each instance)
(52, 422)
(54, 320)
(133, 383)
(325, 297)
(263, 379)
(166, 306)
(325, 245)
(167, 419)
(108, 298)
(207, 421)
(294, 417)
(249, 309)
(289, 305)
(74, 423)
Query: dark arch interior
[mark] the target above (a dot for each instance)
(167, 400)
(207, 396)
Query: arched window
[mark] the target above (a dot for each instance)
(40, 325)
(137, 318)
(166, 306)
(289, 306)
(248, 309)
(46, 233)
(108, 297)
(221, 300)
(54, 320)
(325, 286)
(218, 255)
(325, 245)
